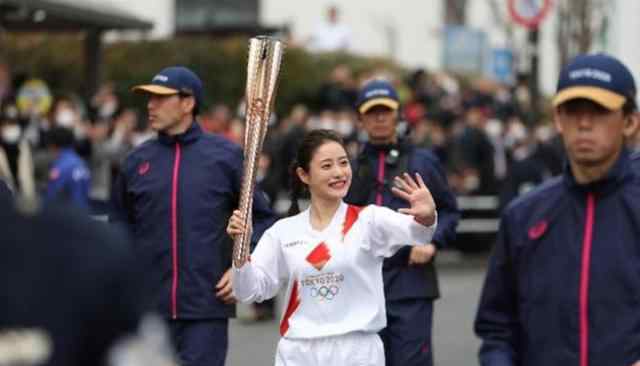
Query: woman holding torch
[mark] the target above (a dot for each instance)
(330, 257)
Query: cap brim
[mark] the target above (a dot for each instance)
(154, 89)
(605, 98)
(387, 102)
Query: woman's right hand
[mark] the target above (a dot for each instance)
(235, 226)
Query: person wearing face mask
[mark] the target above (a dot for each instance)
(16, 161)
(66, 114)
(65, 117)
(410, 279)
(69, 176)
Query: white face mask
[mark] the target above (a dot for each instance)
(327, 124)
(65, 118)
(108, 109)
(344, 128)
(471, 182)
(11, 133)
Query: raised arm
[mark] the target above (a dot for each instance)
(422, 207)
(392, 230)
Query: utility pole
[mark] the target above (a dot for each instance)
(534, 89)
(530, 14)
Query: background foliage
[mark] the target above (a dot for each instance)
(58, 59)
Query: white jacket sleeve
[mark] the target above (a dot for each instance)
(260, 278)
(390, 230)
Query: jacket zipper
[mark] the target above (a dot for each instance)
(174, 232)
(584, 280)
(381, 157)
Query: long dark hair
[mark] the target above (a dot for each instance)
(310, 143)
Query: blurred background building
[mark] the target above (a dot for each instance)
(414, 33)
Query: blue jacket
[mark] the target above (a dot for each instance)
(563, 280)
(69, 180)
(176, 195)
(401, 280)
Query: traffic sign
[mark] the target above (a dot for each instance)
(529, 13)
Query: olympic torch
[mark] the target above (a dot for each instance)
(265, 56)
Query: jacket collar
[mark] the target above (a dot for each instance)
(374, 149)
(618, 174)
(190, 135)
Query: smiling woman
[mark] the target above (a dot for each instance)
(333, 273)
(328, 175)
(323, 152)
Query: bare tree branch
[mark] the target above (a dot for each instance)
(579, 22)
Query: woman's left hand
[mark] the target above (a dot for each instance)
(423, 208)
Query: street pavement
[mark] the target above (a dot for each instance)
(461, 279)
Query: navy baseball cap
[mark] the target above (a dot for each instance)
(174, 80)
(377, 92)
(598, 77)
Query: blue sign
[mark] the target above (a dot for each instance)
(501, 65)
(464, 50)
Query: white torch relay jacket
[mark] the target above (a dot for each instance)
(333, 277)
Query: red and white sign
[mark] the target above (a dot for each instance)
(529, 13)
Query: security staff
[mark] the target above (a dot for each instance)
(562, 284)
(176, 194)
(410, 279)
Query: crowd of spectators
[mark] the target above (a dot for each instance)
(479, 130)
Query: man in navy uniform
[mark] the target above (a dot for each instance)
(176, 194)
(562, 285)
(410, 279)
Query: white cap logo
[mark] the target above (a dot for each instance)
(161, 78)
(591, 74)
(377, 92)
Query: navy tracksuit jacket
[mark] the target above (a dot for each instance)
(176, 195)
(563, 284)
(374, 170)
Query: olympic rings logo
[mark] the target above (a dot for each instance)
(325, 292)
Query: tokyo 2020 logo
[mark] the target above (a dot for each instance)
(325, 292)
